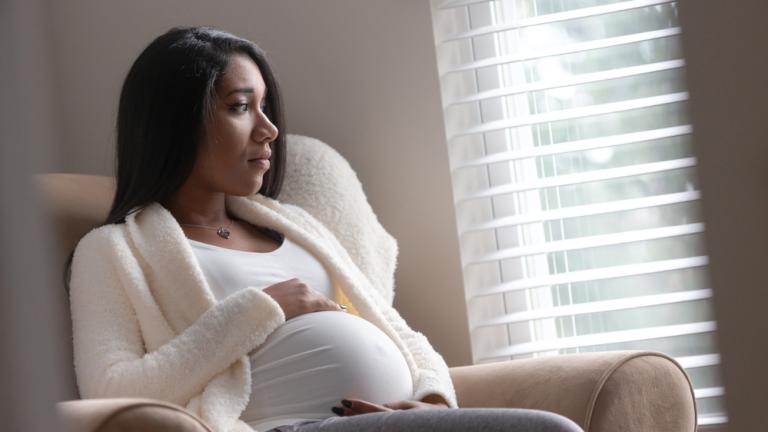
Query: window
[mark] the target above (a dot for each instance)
(575, 183)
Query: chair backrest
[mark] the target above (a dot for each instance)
(76, 203)
(317, 179)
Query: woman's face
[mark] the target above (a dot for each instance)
(238, 133)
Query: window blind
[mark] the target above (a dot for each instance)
(574, 182)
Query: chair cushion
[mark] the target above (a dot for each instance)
(628, 391)
(75, 203)
(127, 414)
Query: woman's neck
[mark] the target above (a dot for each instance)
(198, 207)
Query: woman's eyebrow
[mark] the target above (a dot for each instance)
(245, 90)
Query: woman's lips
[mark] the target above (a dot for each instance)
(260, 162)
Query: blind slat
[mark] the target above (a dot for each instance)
(709, 392)
(555, 18)
(573, 80)
(576, 146)
(594, 275)
(598, 306)
(601, 339)
(712, 419)
(459, 3)
(592, 241)
(585, 210)
(574, 113)
(692, 362)
(565, 49)
(585, 177)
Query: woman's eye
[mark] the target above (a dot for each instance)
(244, 106)
(239, 107)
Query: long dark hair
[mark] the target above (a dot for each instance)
(167, 95)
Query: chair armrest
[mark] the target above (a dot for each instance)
(628, 391)
(127, 415)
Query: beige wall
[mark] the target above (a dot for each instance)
(31, 368)
(724, 45)
(357, 74)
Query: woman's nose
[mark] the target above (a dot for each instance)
(264, 129)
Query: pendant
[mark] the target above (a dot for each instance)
(223, 232)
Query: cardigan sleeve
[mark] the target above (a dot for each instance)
(433, 372)
(109, 353)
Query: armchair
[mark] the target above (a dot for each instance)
(627, 391)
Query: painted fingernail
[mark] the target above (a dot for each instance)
(337, 410)
(346, 403)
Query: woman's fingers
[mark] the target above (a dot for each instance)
(359, 406)
(363, 406)
(401, 405)
(352, 407)
(297, 298)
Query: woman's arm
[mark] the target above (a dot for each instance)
(434, 381)
(434, 399)
(109, 354)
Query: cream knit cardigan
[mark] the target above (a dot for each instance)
(146, 324)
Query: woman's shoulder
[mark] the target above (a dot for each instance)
(309, 220)
(100, 237)
(93, 252)
(292, 211)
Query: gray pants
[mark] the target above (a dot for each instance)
(443, 420)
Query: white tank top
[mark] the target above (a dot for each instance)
(312, 361)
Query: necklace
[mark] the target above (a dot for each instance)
(222, 231)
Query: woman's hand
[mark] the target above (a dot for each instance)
(352, 407)
(297, 298)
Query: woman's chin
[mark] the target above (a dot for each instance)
(252, 188)
(257, 186)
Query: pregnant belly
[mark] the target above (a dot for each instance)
(314, 360)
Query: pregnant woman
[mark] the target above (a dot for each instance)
(202, 289)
